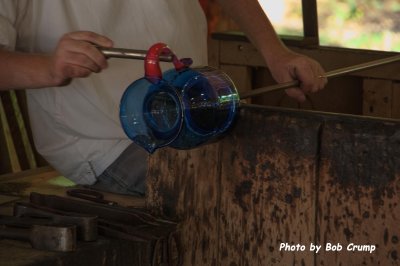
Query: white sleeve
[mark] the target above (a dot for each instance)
(10, 12)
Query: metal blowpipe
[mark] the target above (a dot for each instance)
(141, 55)
(130, 54)
(330, 74)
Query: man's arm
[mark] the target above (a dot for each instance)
(75, 56)
(284, 64)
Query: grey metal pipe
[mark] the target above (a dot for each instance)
(330, 74)
(130, 54)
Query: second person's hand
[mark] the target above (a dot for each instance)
(291, 66)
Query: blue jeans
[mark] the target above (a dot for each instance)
(127, 174)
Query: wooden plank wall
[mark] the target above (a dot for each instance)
(284, 176)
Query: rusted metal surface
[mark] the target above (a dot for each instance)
(267, 195)
(283, 176)
(359, 191)
(185, 185)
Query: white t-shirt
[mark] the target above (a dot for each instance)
(76, 128)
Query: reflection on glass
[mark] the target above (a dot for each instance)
(161, 112)
(285, 15)
(150, 113)
(210, 101)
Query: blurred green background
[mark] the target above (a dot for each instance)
(364, 24)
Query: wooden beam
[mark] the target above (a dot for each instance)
(396, 100)
(240, 75)
(21, 124)
(239, 52)
(8, 139)
(310, 20)
(23, 106)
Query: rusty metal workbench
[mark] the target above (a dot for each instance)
(285, 176)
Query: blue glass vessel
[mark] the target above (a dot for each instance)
(182, 108)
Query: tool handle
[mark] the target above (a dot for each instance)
(15, 233)
(130, 54)
(90, 195)
(330, 74)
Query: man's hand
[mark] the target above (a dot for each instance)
(284, 64)
(292, 66)
(76, 56)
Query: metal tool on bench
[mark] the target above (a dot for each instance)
(122, 223)
(127, 223)
(41, 235)
(185, 107)
(115, 221)
(86, 224)
(123, 215)
(91, 195)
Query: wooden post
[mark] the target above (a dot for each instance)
(9, 152)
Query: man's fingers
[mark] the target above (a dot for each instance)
(320, 78)
(68, 45)
(292, 66)
(90, 37)
(91, 52)
(311, 76)
(306, 76)
(296, 93)
(322, 81)
(84, 61)
(76, 71)
(77, 56)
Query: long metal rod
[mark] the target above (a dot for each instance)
(130, 54)
(330, 74)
